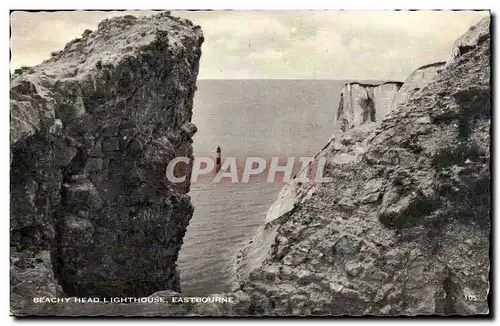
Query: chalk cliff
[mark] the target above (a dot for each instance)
(364, 103)
(92, 130)
(404, 227)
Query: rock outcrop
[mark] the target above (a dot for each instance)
(416, 81)
(364, 103)
(404, 227)
(475, 35)
(92, 131)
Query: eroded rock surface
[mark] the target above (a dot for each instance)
(364, 103)
(416, 81)
(475, 35)
(92, 131)
(404, 227)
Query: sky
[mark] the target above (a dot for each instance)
(343, 45)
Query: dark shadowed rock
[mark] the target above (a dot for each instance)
(91, 210)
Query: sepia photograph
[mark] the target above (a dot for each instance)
(250, 163)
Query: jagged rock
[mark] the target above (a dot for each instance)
(190, 129)
(87, 130)
(31, 276)
(403, 227)
(475, 35)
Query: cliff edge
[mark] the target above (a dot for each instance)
(404, 227)
(92, 130)
(415, 82)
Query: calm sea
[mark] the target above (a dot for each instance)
(246, 118)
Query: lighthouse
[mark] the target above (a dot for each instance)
(217, 161)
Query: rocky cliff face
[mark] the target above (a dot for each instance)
(92, 131)
(404, 227)
(364, 103)
(475, 35)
